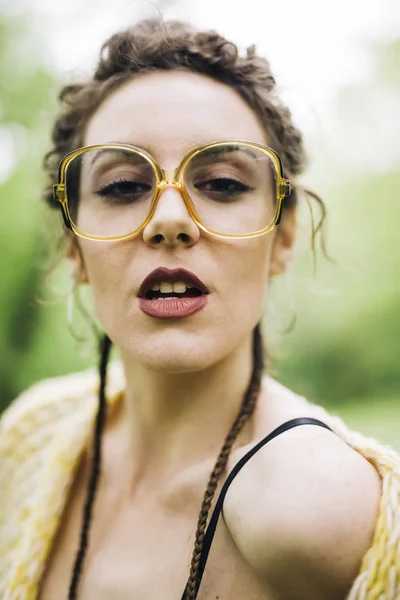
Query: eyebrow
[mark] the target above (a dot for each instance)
(103, 151)
(214, 150)
(233, 147)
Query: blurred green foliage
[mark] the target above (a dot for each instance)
(26, 91)
(347, 340)
(344, 351)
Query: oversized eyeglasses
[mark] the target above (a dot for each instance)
(231, 189)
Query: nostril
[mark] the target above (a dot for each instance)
(183, 237)
(158, 238)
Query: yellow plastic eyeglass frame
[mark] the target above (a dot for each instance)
(170, 177)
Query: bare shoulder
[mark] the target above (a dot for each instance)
(303, 510)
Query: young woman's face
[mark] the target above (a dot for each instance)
(169, 114)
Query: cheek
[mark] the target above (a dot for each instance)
(107, 271)
(248, 277)
(254, 260)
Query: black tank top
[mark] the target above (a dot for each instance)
(209, 535)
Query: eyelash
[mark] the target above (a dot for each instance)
(111, 189)
(242, 186)
(115, 190)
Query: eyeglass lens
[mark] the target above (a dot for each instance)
(232, 188)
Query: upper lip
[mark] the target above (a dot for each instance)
(171, 276)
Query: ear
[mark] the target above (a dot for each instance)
(75, 257)
(282, 251)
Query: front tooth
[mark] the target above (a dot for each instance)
(179, 288)
(166, 288)
(156, 287)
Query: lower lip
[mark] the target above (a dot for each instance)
(173, 308)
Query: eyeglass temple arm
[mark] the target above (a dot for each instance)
(285, 190)
(59, 196)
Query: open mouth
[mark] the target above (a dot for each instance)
(190, 292)
(184, 292)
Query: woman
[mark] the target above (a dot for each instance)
(178, 188)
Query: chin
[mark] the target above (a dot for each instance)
(175, 353)
(177, 361)
(171, 366)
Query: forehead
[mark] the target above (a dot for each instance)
(171, 112)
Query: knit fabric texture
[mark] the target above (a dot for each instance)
(42, 436)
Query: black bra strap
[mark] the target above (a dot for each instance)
(209, 535)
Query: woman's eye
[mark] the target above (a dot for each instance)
(223, 186)
(124, 189)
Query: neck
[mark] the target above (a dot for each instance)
(172, 421)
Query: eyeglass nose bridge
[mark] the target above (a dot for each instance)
(169, 177)
(172, 177)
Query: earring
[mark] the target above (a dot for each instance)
(70, 307)
(70, 301)
(288, 293)
(84, 320)
(70, 312)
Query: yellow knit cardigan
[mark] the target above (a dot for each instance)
(42, 436)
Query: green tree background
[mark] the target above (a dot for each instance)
(344, 351)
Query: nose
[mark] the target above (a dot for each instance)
(171, 224)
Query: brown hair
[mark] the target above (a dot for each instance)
(146, 47)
